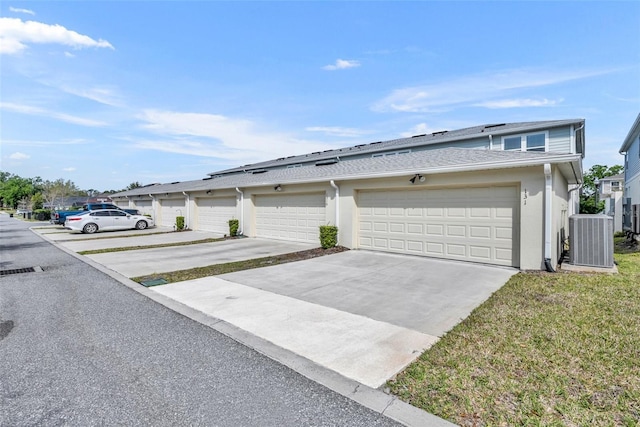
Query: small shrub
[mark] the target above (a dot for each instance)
(42, 214)
(233, 227)
(179, 223)
(328, 236)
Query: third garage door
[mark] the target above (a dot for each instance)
(293, 217)
(470, 224)
(214, 213)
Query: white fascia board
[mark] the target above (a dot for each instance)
(630, 136)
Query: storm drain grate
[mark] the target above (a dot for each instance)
(154, 282)
(20, 270)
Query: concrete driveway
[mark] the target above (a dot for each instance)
(142, 239)
(149, 261)
(365, 315)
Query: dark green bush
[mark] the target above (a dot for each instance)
(179, 223)
(328, 236)
(233, 227)
(42, 214)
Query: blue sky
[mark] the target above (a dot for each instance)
(108, 93)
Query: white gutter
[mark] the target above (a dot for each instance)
(188, 217)
(337, 223)
(153, 207)
(548, 189)
(241, 230)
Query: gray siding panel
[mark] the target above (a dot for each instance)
(560, 140)
(633, 156)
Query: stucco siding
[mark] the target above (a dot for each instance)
(560, 140)
(559, 214)
(529, 181)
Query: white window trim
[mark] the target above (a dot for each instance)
(523, 140)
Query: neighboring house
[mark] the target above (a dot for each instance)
(631, 150)
(498, 194)
(610, 191)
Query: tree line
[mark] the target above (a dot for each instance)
(36, 193)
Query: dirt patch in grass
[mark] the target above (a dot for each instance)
(546, 349)
(230, 267)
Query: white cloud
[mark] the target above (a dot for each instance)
(518, 103)
(19, 10)
(474, 89)
(342, 64)
(16, 34)
(339, 131)
(211, 135)
(69, 55)
(19, 156)
(419, 129)
(103, 95)
(69, 169)
(43, 143)
(37, 111)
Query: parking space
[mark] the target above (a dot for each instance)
(365, 315)
(139, 240)
(149, 261)
(57, 233)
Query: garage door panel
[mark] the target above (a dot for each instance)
(295, 217)
(213, 213)
(170, 209)
(475, 224)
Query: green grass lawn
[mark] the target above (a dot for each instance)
(546, 349)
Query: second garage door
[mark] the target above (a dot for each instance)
(290, 217)
(214, 213)
(470, 224)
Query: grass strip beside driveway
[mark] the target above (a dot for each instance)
(230, 267)
(546, 349)
(158, 245)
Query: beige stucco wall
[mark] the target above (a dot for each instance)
(529, 180)
(560, 214)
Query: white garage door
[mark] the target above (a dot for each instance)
(290, 217)
(170, 209)
(471, 224)
(213, 214)
(144, 206)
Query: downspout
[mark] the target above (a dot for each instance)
(186, 223)
(333, 184)
(548, 181)
(153, 208)
(241, 231)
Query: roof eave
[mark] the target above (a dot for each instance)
(629, 139)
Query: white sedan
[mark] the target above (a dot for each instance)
(106, 219)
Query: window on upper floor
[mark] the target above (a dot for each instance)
(529, 142)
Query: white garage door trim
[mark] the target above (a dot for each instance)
(213, 213)
(170, 209)
(294, 217)
(470, 224)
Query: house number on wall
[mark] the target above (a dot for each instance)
(525, 196)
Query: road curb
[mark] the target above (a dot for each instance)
(373, 399)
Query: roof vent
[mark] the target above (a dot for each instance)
(281, 158)
(494, 126)
(418, 136)
(207, 178)
(176, 182)
(327, 162)
(442, 132)
(257, 171)
(360, 145)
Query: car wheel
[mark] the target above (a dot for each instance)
(90, 228)
(141, 225)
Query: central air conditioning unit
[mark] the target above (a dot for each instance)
(591, 240)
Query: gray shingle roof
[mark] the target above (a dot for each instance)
(405, 143)
(425, 162)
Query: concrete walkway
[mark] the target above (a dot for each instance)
(357, 347)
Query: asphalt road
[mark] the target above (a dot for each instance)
(79, 348)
